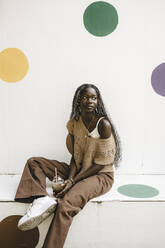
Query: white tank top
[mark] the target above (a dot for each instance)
(95, 134)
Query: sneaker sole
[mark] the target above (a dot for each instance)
(35, 221)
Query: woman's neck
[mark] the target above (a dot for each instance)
(87, 116)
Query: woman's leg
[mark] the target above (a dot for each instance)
(33, 180)
(74, 200)
(33, 187)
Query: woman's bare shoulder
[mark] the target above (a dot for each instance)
(104, 128)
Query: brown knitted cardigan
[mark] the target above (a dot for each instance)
(89, 150)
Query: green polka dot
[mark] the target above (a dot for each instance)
(138, 190)
(100, 18)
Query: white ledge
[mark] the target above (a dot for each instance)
(9, 184)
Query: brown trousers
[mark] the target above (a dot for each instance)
(33, 184)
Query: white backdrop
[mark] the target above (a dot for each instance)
(62, 55)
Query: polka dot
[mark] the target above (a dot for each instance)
(11, 236)
(100, 18)
(138, 191)
(13, 65)
(158, 79)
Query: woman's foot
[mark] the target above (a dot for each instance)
(37, 212)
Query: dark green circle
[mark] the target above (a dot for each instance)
(100, 18)
(138, 190)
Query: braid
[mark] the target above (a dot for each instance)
(101, 111)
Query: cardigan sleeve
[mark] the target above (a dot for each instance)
(105, 152)
(70, 126)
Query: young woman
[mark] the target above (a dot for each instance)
(95, 150)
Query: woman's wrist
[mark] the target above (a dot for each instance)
(71, 180)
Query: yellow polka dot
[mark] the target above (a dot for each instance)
(13, 65)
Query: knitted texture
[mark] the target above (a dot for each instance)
(89, 150)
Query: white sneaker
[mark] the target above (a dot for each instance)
(37, 212)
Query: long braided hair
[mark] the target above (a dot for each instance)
(101, 111)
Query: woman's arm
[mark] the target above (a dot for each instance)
(72, 172)
(104, 129)
(73, 168)
(93, 170)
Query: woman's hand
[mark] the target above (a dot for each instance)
(68, 185)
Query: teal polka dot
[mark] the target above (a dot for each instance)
(138, 190)
(100, 18)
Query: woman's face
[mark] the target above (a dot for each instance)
(88, 100)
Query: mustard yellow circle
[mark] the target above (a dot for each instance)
(13, 65)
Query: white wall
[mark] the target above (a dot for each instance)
(62, 55)
(112, 224)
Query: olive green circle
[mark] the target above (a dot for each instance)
(138, 190)
(100, 18)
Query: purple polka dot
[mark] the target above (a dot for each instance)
(158, 79)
